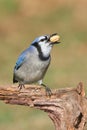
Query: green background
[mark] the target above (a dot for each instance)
(23, 20)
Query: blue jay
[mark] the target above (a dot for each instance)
(33, 62)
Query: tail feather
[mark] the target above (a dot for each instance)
(14, 80)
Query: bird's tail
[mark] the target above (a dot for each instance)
(14, 80)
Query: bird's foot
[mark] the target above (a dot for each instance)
(47, 89)
(21, 86)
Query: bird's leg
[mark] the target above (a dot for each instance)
(48, 90)
(20, 86)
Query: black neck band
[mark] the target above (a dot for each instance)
(41, 56)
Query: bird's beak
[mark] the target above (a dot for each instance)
(54, 38)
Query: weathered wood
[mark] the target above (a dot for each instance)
(66, 107)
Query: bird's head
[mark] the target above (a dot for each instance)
(45, 43)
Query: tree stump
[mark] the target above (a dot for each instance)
(66, 107)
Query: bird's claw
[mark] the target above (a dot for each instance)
(20, 86)
(48, 91)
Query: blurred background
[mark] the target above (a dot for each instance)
(23, 20)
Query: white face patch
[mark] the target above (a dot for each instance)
(45, 48)
(44, 44)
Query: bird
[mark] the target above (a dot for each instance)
(33, 62)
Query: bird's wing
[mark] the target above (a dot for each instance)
(19, 62)
(22, 58)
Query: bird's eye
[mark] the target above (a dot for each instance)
(42, 40)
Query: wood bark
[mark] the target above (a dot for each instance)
(67, 107)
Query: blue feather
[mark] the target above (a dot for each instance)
(19, 62)
(21, 59)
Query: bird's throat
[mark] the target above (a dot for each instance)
(41, 54)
